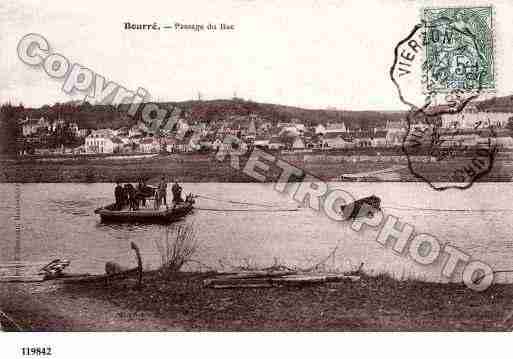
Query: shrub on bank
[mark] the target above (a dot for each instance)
(177, 249)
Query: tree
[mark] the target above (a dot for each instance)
(10, 129)
(509, 125)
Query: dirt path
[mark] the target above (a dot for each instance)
(45, 307)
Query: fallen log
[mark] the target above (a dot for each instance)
(248, 276)
(71, 279)
(314, 278)
(259, 280)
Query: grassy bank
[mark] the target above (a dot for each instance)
(205, 168)
(181, 302)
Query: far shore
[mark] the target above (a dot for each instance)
(182, 302)
(327, 166)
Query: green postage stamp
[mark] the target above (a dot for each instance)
(459, 49)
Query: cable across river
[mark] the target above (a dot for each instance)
(268, 207)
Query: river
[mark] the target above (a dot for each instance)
(58, 221)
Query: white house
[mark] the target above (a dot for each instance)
(290, 130)
(298, 144)
(102, 141)
(150, 145)
(320, 129)
(396, 130)
(337, 140)
(82, 132)
(336, 127)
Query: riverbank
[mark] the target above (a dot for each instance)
(181, 302)
(205, 168)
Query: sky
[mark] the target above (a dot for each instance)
(311, 54)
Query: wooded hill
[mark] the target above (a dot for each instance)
(107, 116)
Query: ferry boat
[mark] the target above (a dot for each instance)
(164, 214)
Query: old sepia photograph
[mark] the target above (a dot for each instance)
(255, 166)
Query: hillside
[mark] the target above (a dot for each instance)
(217, 109)
(105, 116)
(102, 116)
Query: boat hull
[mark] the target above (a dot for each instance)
(175, 213)
(372, 205)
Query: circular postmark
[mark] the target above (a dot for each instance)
(440, 69)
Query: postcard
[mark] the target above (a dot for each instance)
(262, 166)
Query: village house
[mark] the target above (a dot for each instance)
(135, 131)
(363, 138)
(31, 126)
(83, 132)
(301, 128)
(170, 144)
(182, 145)
(198, 127)
(264, 127)
(320, 129)
(74, 128)
(275, 143)
(251, 130)
(502, 138)
(150, 145)
(458, 138)
(56, 124)
(470, 117)
(194, 141)
(102, 141)
(182, 126)
(336, 127)
(216, 145)
(122, 132)
(289, 131)
(129, 147)
(226, 129)
(285, 124)
(206, 142)
(395, 132)
(337, 140)
(378, 138)
(230, 144)
(298, 144)
(261, 142)
(313, 141)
